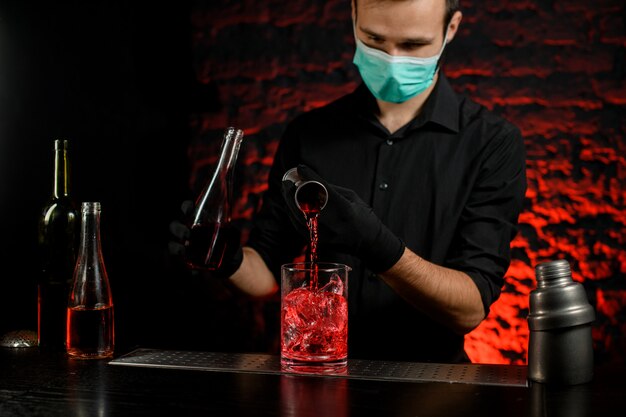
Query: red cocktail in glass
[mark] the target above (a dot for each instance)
(314, 317)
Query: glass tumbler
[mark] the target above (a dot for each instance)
(314, 317)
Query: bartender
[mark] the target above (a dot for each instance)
(425, 189)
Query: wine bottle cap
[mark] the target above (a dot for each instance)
(60, 144)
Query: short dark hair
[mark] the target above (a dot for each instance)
(451, 7)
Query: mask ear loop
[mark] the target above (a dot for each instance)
(445, 43)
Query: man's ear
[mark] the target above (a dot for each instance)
(454, 24)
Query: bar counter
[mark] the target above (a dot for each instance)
(39, 383)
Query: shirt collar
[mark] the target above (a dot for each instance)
(441, 107)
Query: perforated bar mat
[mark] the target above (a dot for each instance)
(507, 375)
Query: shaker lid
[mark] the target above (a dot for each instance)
(558, 301)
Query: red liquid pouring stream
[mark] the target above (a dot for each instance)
(310, 214)
(323, 332)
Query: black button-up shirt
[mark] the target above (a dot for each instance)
(450, 184)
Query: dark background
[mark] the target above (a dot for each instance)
(143, 91)
(116, 79)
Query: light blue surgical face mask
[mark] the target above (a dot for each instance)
(395, 78)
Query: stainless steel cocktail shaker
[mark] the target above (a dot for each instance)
(560, 349)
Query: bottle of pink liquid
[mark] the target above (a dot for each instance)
(90, 325)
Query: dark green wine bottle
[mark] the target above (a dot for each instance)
(58, 239)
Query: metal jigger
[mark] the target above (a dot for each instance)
(560, 349)
(308, 193)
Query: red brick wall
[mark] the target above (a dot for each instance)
(556, 69)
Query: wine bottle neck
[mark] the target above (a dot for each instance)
(213, 204)
(229, 150)
(61, 170)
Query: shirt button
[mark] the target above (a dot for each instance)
(389, 142)
(383, 185)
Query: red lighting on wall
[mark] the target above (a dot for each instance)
(555, 69)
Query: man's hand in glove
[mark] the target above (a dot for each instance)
(347, 224)
(230, 236)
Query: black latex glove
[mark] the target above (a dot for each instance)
(347, 224)
(233, 254)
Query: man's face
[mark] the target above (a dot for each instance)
(409, 28)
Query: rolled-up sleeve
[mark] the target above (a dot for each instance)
(489, 220)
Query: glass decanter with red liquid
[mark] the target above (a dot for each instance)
(210, 222)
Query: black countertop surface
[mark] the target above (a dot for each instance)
(39, 383)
